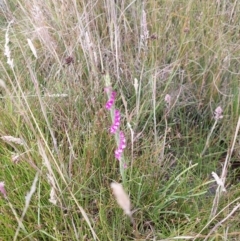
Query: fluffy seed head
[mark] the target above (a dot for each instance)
(122, 198)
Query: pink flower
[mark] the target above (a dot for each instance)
(111, 101)
(121, 145)
(218, 113)
(116, 123)
(118, 154)
(2, 189)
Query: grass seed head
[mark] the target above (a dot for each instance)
(122, 198)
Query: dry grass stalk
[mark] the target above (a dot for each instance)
(27, 203)
(222, 221)
(219, 181)
(50, 175)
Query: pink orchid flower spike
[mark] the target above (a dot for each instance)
(111, 100)
(116, 123)
(121, 146)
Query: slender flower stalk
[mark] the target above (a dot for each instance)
(118, 189)
(217, 116)
(115, 127)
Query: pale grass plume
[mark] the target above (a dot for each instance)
(122, 198)
(52, 183)
(144, 31)
(53, 196)
(7, 51)
(135, 84)
(31, 46)
(56, 95)
(12, 139)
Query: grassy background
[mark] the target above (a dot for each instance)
(54, 102)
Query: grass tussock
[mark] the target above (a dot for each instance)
(140, 96)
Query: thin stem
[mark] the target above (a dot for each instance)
(208, 138)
